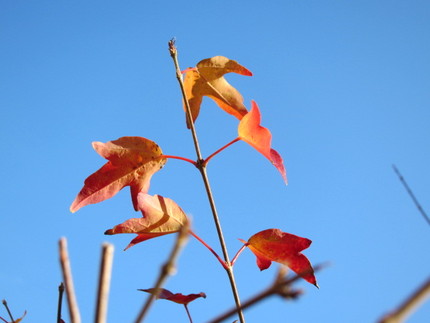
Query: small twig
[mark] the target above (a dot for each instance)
(406, 308)
(181, 158)
(280, 287)
(166, 270)
(104, 283)
(60, 301)
(411, 194)
(8, 311)
(202, 168)
(75, 316)
(237, 254)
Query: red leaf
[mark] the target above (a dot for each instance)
(207, 79)
(177, 298)
(284, 248)
(260, 138)
(132, 162)
(161, 216)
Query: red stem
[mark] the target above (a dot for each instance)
(188, 312)
(181, 158)
(237, 254)
(221, 149)
(222, 262)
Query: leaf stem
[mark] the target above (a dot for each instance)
(188, 312)
(202, 168)
(221, 149)
(181, 158)
(222, 262)
(237, 254)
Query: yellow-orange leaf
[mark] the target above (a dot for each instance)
(207, 79)
(161, 216)
(260, 138)
(285, 248)
(132, 162)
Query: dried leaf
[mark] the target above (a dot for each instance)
(207, 79)
(161, 216)
(284, 248)
(177, 298)
(260, 138)
(132, 162)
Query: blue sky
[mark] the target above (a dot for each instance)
(344, 88)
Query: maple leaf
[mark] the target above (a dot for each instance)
(284, 248)
(207, 79)
(132, 162)
(161, 216)
(260, 138)
(177, 298)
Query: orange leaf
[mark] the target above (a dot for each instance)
(177, 298)
(207, 79)
(161, 216)
(260, 138)
(284, 248)
(132, 162)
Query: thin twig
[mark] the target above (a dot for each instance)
(221, 149)
(104, 283)
(280, 286)
(209, 248)
(202, 168)
(60, 301)
(7, 309)
(166, 270)
(412, 195)
(406, 308)
(75, 316)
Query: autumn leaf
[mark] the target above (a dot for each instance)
(207, 79)
(161, 216)
(284, 248)
(260, 138)
(177, 298)
(132, 162)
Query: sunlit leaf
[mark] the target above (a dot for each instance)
(132, 162)
(161, 216)
(284, 248)
(207, 79)
(260, 138)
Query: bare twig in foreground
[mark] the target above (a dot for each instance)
(75, 316)
(104, 283)
(406, 308)
(60, 302)
(167, 269)
(281, 286)
(411, 194)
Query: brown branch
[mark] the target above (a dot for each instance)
(166, 270)
(411, 303)
(202, 168)
(68, 281)
(60, 302)
(104, 283)
(281, 286)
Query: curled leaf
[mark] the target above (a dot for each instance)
(260, 138)
(132, 162)
(207, 79)
(161, 216)
(284, 248)
(177, 298)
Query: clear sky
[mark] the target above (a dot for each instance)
(342, 85)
